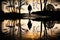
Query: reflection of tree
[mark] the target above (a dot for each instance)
(11, 25)
(50, 25)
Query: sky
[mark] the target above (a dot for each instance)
(35, 6)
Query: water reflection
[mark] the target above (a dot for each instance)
(33, 33)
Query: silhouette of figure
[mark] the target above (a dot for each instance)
(29, 8)
(29, 24)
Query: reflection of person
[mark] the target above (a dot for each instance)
(29, 24)
(50, 24)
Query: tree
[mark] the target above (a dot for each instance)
(23, 2)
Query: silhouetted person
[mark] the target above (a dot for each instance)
(29, 8)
